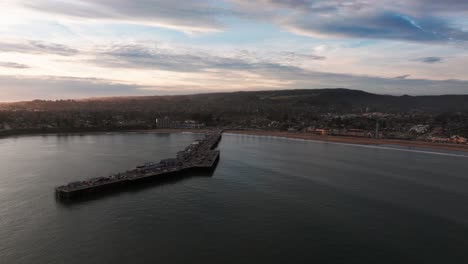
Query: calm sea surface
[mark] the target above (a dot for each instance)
(270, 200)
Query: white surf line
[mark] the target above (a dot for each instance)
(362, 145)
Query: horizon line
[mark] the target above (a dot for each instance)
(219, 92)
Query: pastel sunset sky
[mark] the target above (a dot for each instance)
(51, 49)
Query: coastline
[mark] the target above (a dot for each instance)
(353, 140)
(281, 134)
(36, 132)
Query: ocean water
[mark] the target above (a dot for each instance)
(270, 200)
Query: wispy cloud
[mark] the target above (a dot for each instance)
(36, 47)
(13, 65)
(191, 16)
(430, 59)
(153, 57)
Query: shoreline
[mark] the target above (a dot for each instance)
(353, 140)
(280, 134)
(19, 133)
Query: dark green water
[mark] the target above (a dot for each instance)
(269, 201)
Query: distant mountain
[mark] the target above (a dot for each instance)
(287, 101)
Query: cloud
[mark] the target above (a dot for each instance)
(37, 47)
(152, 57)
(316, 6)
(430, 60)
(293, 56)
(341, 6)
(436, 6)
(18, 88)
(190, 16)
(13, 65)
(387, 25)
(407, 20)
(144, 57)
(415, 20)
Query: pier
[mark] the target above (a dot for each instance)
(198, 156)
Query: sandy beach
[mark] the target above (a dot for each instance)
(353, 140)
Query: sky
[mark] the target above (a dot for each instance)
(52, 49)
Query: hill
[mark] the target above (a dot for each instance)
(285, 101)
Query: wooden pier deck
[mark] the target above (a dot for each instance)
(200, 155)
